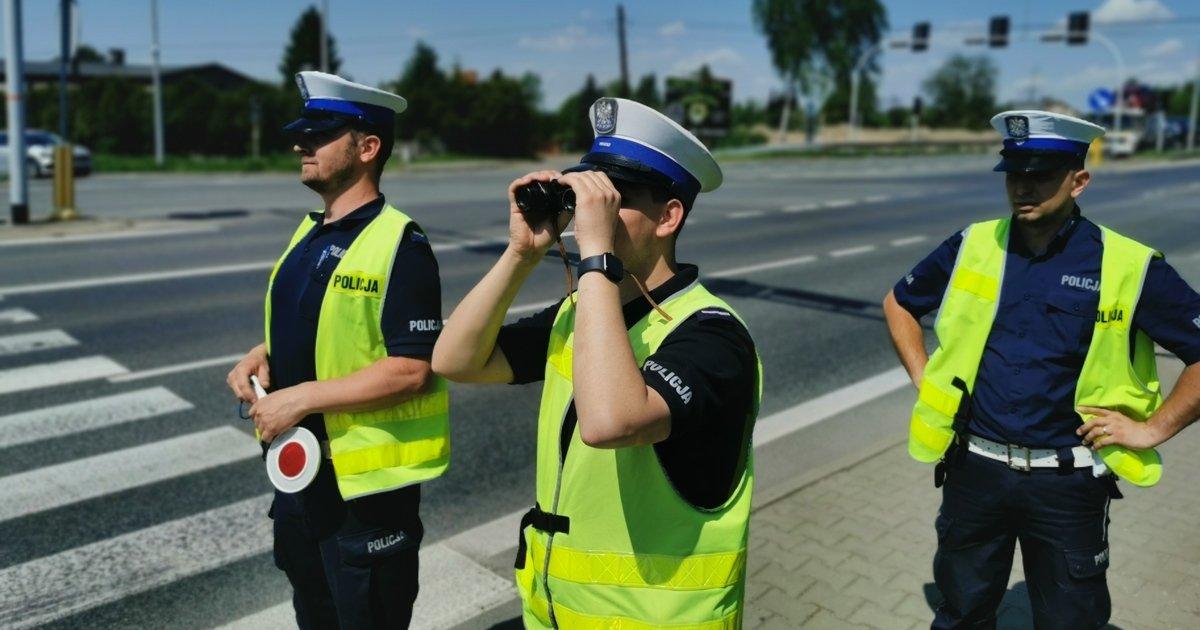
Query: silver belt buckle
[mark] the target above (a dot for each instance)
(1028, 457)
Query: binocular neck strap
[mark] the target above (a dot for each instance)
(562, 251)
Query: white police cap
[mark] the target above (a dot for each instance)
(629, 131)
(1038, 140)
(330, 100)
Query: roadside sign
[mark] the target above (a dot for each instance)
(1102, 99)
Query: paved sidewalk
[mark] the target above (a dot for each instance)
(855, 549)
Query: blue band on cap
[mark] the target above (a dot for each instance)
(1048, 144)
(651, 158)
(374, 114)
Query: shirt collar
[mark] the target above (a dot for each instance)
(635, 310)
(1064, 234)
(365, 212)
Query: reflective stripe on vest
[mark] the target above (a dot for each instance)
(1108, 379)
(384, 449)
(636, 554)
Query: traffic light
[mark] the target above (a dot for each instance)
(920, 37)
(998, 32)
(918, 105)
(1077, 28)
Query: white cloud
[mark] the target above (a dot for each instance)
(716, 56)
(570, 38)
(1165, 48)
(672, 29)
(1127, 10)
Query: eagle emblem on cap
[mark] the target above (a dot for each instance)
(605, 117)
(1018, 127)
(303, 88)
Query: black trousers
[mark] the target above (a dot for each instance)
(352, 565)
(1061, 522)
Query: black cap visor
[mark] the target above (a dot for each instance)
(1035, 161)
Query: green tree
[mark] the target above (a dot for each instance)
(303, 51)
(647, 92)
(87, 54)
(963, 92)
(815, 43)
(425, 87)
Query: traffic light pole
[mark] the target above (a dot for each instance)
(1119, 112)
(855, 79)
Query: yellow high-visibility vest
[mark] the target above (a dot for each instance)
(635, 555)
(1110, 378)
(385, 449)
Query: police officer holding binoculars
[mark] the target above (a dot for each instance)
(651, 387)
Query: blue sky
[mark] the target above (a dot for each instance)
(565, 40)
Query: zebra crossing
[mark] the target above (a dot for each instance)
(65, 582)
(76, 579)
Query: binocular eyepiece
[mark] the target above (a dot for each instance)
(542, 201)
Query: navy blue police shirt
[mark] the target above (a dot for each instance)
(705, 370)
(1025, 389)
(413, 295)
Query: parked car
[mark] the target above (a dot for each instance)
(39, 152)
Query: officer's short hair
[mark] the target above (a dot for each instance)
(386, 142)
(658, 194)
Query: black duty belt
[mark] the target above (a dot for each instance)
(542, 521)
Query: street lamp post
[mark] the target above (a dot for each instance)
(14, 76)
(1191, 138)
(157, 77)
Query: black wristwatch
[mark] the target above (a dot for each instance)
(608, 264)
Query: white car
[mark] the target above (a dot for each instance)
(39, 152)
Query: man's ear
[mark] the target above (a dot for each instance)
(369, 146)
(671, 219)
(1080, 181)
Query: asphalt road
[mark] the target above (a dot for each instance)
(131, 494)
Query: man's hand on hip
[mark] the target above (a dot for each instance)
(1110, 428)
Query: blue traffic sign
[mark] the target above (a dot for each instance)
(1102, 99)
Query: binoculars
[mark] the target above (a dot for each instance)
(542, 201)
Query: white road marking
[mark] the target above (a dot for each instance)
(802, 207)
(107, 236)
(852, 251)
(748, 214)
(825, 406)
(775, 264)
(134, 278)
(229, 359)
(35, 341)
(454, 586)
(876, 198)
(839, 203)
(16, 316)
(54, 486)
(57, 373)
(908, 240)
(53, 587)
(86, 415)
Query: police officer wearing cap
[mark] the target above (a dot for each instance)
(1043, 391)
(353, 308)
(644, 463)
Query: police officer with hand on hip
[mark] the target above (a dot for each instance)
(352, 312)
(651, 389)
(1044, 385)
